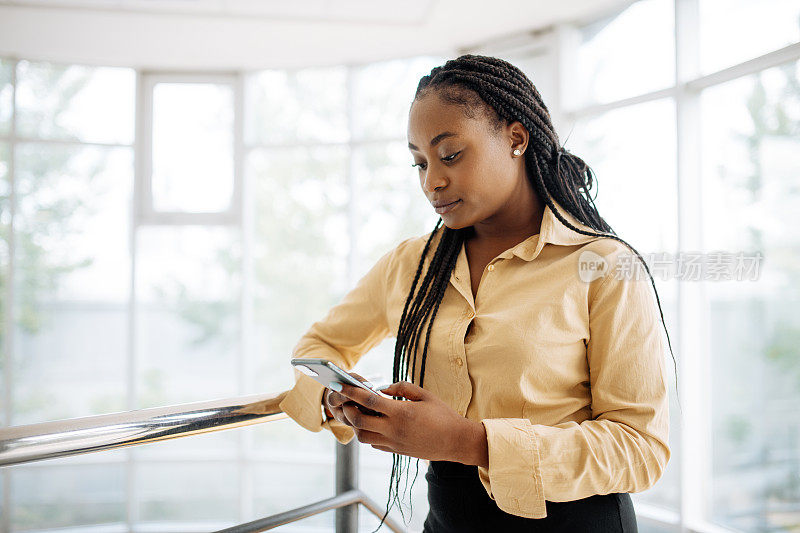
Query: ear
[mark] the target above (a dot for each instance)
(517, 136)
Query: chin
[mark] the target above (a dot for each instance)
(454, 222)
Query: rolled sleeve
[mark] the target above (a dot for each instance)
(624, 447)
(304, 405)
(350, 329)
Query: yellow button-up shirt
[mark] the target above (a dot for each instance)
(564, 365)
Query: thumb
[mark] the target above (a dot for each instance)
(406, 390)
(360, 378)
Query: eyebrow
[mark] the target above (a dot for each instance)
(435, 140)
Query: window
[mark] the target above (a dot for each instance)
(732, 31)
(76, 103)
(192, 147)
(68, 264)
(624, 54)
(188, 170)
(709, 168)
(751, 192)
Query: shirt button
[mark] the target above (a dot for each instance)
(471, 315)
(460, 362)
(491, 267)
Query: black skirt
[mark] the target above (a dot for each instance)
(459, 504)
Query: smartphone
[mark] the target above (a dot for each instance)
(325, 371)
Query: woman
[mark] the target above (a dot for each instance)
(539, 393)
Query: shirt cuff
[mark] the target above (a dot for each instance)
(514, 476)
(304, 405)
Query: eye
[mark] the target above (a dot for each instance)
(447, 158)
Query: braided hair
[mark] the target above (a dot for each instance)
(502, 93)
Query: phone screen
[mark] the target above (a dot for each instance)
(325, 371)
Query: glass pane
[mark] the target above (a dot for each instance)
(632, 153)
(71, 280)
(751, 192)
(284, 442)
(301, 246)
(188, 285)
(390, 203)
(302, 482)
(5, 96)
(91, 104)
(192, 147)
(384, 92)
(625, 54)
(189, 496)
(68, 495)
(768, 25)
(303, 105)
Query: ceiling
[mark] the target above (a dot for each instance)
(253, 34)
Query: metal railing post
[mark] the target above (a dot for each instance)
(347, 479)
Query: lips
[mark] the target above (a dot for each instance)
(442, 203)
(446, 207)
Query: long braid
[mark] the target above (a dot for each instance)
(505, 94)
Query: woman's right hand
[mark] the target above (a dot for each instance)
(333, 401)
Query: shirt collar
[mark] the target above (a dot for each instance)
(554, 232)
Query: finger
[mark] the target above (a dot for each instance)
(327, 396)
(337, 398)
(363, 380)
(368, 399)
(406, 390)
(369, 437)
(339, 415)
(364, 421)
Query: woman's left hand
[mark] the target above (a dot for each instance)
(424, 427)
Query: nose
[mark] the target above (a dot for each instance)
(433, 180)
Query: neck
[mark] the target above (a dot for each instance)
(517, 220)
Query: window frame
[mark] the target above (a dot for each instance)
(145, 212)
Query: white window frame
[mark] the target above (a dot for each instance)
(145, 213)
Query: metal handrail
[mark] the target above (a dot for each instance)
(77, 436)
(340, 500)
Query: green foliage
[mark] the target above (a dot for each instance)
(771, 117)
(43, 214)
(738, 428)
(783, 350)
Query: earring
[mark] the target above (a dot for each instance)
(517, 151)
